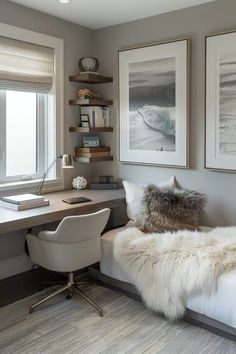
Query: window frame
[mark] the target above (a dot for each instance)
(55, 107)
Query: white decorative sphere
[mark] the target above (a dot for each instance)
(79, 183)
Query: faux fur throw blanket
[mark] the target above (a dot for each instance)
(169, 268)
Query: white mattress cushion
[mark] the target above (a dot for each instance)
(220, 306)
(108, 265)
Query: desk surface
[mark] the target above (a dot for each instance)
(11, 220)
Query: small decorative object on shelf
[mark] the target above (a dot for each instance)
(106, 179)
(88, 64)
(86, 93)
(90, 141)
(84, 121)
(79, 183)
(105, 182)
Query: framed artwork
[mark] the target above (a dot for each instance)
(153, 100)
(90, 141)
(220, 134)
(84, 120)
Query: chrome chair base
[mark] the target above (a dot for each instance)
(71, 287)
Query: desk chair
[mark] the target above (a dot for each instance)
(74, 245)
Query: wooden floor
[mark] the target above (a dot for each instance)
(72, 326)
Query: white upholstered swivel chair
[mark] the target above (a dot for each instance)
(74, 245)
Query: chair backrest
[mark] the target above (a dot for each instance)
(78, 228)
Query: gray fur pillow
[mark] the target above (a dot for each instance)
(171, 210)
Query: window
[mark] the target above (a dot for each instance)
(31, 99)
(23, 135)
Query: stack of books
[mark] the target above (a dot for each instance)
(23, 201)
(92, 151)
(98, 116)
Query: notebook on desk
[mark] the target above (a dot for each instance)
(76, 200)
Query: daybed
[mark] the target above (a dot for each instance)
(216, 312)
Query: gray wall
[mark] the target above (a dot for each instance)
(77, 43)
(195, 23)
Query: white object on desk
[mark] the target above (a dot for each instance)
(22, 199)
(18, 207)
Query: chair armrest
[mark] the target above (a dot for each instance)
(46, 235)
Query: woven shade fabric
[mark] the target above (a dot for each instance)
(25, 66)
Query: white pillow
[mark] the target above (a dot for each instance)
(134, 198)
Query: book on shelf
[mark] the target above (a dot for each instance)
(98, 116)
(93, 154)
(92, 149)
(22, 199)
(19, 207)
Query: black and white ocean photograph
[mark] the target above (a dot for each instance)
(227, 118)
(152, 103)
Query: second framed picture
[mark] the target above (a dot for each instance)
(154, 104)
(221, 101)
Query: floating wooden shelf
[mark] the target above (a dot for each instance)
(91, 102)
(91, 130)
(91, 78)
(92, 159)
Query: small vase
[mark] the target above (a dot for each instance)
(88, 64)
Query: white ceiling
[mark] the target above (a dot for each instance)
(102, 13)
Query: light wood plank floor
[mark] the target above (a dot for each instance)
(71, 326)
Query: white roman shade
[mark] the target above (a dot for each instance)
(25, 66)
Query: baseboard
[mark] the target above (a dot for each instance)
(15, 265)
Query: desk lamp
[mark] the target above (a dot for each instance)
(67, 162)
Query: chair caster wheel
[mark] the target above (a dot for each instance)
(100, 313)
(69, 296)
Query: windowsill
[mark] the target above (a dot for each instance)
(31, 185)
